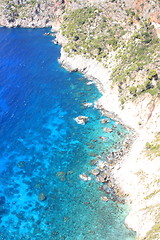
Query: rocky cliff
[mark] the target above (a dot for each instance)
(30, 13)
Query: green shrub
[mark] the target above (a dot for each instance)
(133, 90)
(153, 91)
(152, 74)
(137, 16)
(148, 84)
(158, 85)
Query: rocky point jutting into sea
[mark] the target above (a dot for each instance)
(115, 44)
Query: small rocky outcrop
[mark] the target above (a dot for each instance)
(87, 104)
(84, 177)
(81, 120)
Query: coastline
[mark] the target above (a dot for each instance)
(131, 174)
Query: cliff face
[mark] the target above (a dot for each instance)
(32, 13)
(38, 13)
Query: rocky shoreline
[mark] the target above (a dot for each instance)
(125, 175)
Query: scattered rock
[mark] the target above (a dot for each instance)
(87, 104)
(91, 146)
(95, 172)
(113, 198)
(106, 188)
(105, 120)
(54, 234)
(49, 34)
(84, 177)
(61, 176)
(21, 164)
(89, 83)
(93, 162)
(70, 172)
(121, 200)
(104, 198)
(101, 179)
(108, 130)
(104, 174)
(103, 138)
(102, 165)
(93, 154)
(81, 120)
(65, 218)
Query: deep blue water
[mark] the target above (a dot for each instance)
(43, 150)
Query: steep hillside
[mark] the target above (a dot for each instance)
(29, 13)
(116, 43)
(132, 39)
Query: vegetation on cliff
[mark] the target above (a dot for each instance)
(29, 13)
(89, 33)
(94, 35)
(153, 152)
(153, 148)
(17, 9)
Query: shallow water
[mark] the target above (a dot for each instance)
(43, 149)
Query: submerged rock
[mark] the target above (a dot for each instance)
(61, 176)
(93, 162)
(103, 138)
(108, 130)
(21, 164)
(106, 188)
(105, 120)
(54, 234)
(42, 197)
(84, 177)
(81, 120)
(2, 200)
(65, 218)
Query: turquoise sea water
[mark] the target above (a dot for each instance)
(43, 150)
